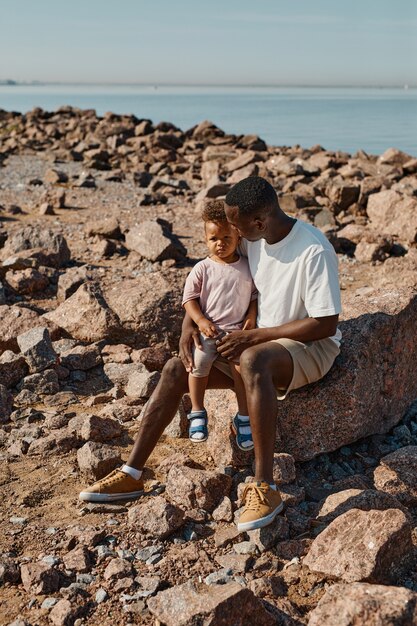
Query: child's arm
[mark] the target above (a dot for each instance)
(205, 327)
(251, 315)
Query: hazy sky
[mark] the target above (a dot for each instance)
(372, 42)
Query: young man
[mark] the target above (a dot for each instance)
(294, 268)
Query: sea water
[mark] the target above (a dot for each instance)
(338, 118)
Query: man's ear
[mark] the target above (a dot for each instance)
(260, 224)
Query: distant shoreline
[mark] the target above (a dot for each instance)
(14, 83)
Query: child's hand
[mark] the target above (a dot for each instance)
(249, 324)
(207, 328)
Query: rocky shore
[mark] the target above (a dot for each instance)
(99, 226)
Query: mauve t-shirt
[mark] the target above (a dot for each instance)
(224, 291)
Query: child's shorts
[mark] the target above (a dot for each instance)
(204, 359)
(311, 360)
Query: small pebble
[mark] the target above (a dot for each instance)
(48, 603)
(153, 560)
(51, 559)
(18, 520)
(101, 595)
(221, 577)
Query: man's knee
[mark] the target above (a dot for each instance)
(174, 371)
(253, 362)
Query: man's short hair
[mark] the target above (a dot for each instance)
(251, 195)
(214, 211)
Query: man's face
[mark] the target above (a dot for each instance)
(248, 227)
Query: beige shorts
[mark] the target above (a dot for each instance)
(311, 362)
(204, 358)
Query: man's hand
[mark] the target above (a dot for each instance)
(189, 336)
(233, 344)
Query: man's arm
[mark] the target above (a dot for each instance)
(309, 329)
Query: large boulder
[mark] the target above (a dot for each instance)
(366, 391)
(47, 247)
(221, 605)
(155, 241)
(362, 603)
(369, 546)
(393, 213)
(86, 315)
(149, 309)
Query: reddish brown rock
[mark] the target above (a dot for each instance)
(108, 228)
(39, 578)
(364, 604)
(379, 250)
(368, 546)
(196, 489)
(78, 559)
(27, 281)
(355, 399)
(393, 213)
(221, 443)
(267, 537)
(155, 241)
(118, 568)
(364, 499)
(86, 315)
(6, 404)
(47, 247)
(97, 460)
(142, 384)
(342, 195)
(153, 357)
(64, 613)
(242, 160)
(13, 368)
(81, 357)
(15, 320)
(221, 605)
(147, 315)
(156, 517)
(73, 278)
(94, 428)
(397, 475)
(393, 156)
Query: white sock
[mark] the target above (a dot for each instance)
(273, 486)
(245, 430)
(134, 473)
(196, 421)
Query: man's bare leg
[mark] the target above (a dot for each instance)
(264, 368)
(163, 405)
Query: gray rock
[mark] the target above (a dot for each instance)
(36, 347)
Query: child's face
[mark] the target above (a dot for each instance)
(222, 239)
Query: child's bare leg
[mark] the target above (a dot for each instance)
(198, 416)
(239, 390)
(197, 386)
(241, 423)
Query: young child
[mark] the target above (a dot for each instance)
(220, 297)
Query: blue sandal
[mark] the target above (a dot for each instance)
(241, 438)
(199, 428)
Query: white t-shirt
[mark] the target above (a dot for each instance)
(295, 278)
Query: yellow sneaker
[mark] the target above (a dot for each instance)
(115, 486)
(261, 506)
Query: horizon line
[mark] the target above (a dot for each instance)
(156, 85)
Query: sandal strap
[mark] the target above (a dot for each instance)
(197, 415)
(198, 429)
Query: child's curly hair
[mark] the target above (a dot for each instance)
(214, 211)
